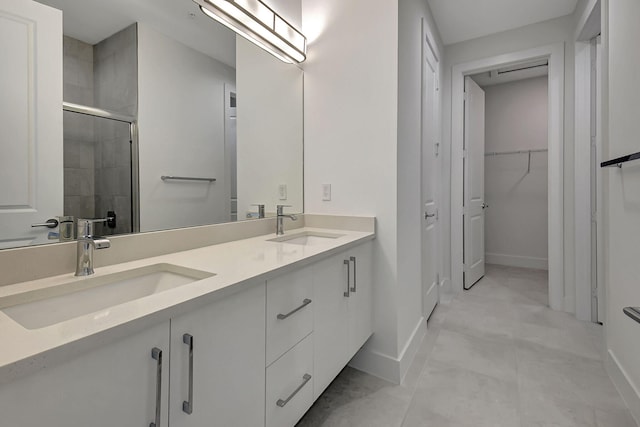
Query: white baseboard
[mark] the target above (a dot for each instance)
(517, 261)
(628, 390)
(392, 369)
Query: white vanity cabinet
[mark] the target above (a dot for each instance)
(219, 373)
(343, 316)
(113, 385)
(217, 363)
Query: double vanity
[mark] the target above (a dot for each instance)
(242, 333)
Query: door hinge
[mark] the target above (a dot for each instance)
(594, 293)
(437, 149)
(465, 96)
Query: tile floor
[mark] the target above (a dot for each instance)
(493, 356)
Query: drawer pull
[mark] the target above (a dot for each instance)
(156, 354)
(305, 378)
(305, 303)
(348, 264)
(355, 269)
(187, 405)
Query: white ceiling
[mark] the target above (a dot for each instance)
(94, 20)
(460, 20)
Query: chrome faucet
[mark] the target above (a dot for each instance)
(87, 242)
(280, 217)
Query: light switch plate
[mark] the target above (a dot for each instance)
(282, 191)
(326, 192)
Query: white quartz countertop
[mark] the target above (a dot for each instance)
(235, 264)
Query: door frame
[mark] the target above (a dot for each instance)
(555, 54)
(588, 28)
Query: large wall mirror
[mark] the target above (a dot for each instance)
(168, 120)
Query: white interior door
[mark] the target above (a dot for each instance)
(429, 179)
(31, 169)
(473, 183)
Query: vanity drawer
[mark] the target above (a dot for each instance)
(289, 311)
(290, 385)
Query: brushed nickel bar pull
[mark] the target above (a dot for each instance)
(305, 379)
(187, 405)
(632, 312)
(355, 270)
(348, 264)
(305, 302)
(156, 354)
(185, 178)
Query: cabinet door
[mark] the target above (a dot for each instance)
(361, 297)
(226, 371)
(115, 385)
(331, 320)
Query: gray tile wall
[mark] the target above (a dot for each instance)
(97, 157)
(115, 64)
(79, 130)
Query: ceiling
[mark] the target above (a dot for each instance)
(91, 21)
(460, 20)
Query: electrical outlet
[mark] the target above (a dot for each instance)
(282, 191)
(326, 192)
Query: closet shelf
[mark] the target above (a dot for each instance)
(620, 160)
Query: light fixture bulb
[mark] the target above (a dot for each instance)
(259, 24)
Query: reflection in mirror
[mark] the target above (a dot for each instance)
(169, 121)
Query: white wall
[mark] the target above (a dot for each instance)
(516, 221)
(622, 197)
(351, 132)
(362, 133)
(181, 119)
(269, 126)
(531, 36)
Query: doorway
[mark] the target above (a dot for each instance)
(505, 173)
(555, 56)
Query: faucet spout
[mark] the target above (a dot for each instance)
(86, 245)
(279, 220)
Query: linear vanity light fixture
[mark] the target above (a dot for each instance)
(259, 24)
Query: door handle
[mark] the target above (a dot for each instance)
(428, 215)
(484, 206)
(51, 223)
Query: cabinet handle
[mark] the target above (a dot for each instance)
(348, 264)
(355, 270)
(187, 405)
(305, 303)
(305, 380)
(156, 354)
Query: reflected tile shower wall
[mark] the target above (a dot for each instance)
(97, 151)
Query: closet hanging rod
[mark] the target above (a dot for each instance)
(499, 153)
(620, 160)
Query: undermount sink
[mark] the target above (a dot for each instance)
(307, 238)
(45, 307)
